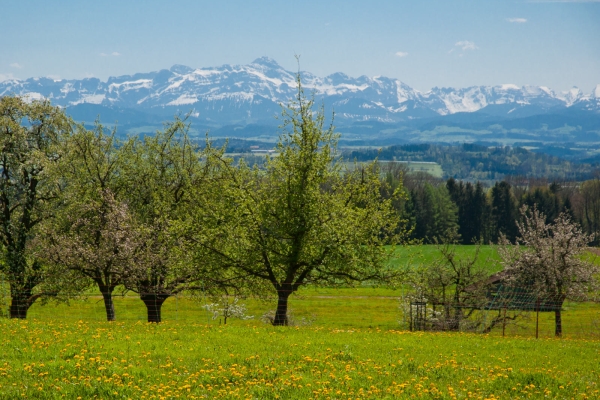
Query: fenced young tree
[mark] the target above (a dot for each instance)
(547, 260)
(301, 220)
(29, 137)
(454, 285)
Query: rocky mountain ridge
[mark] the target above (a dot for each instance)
(252, 93)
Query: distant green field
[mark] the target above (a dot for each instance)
(431, 168)
(487, 259)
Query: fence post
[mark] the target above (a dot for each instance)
(2, 298)
(537, 318)
(504, 322)
(206, 304)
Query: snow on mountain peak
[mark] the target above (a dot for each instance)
(267, 62)
(263, 84)
(181, 69)
(571, 96)
(509, 86)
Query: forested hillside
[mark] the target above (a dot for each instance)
(480, 163)
(434, 207)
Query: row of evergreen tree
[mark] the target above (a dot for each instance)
(433, 207)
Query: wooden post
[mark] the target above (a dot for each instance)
(537, 318)
(504, 322)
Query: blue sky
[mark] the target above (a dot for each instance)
(423, 43)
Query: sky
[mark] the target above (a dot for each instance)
(423, 43)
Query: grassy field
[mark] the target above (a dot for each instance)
(350, 343)
(487, 259)
(344, 308)
(432, 168)
(82, 359)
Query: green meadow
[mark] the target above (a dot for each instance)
(120, 360)
(348, 343)
(362, 307)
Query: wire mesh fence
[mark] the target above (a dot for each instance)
(507, 311)
(579, 320)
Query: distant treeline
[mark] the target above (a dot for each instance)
(433, 207)
(480, 163)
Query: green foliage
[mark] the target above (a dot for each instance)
(473, 210)
(503, 218)
(435, 215)
(163, 173)
(301, 220)
(29, 135)
(92, 238)
(589, 212)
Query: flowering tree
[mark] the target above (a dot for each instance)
(547, 259)
(228, 307)
(97, 242)
(93, 237)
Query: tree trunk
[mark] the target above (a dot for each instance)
(21, 286)
(453, 324)
(154, 304)
(19, 305)
(558, 323)
(558, 315)
(281, 317)
(109, 306)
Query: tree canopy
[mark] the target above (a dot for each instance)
(303, 219)
(547, 260)
(29, 136)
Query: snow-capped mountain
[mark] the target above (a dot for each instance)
(252, 93)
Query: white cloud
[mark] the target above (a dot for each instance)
(113, 54)
(401, 54)
(6, 77)
(16, 65)
(465, 45)
(517, 20)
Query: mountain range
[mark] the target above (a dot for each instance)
(246, 98)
